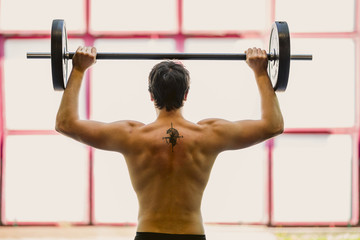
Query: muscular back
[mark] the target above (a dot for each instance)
(169, 180)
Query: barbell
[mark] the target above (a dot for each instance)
(278, 66)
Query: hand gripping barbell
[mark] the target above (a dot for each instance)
(278, 66)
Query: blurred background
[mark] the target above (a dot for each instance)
(309, 176)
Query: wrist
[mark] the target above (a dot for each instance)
(78, 70)
(262, 73)
(75, 78)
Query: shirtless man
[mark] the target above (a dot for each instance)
(169, 160)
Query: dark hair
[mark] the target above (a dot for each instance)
(168, 83)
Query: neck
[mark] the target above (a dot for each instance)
(162, 113)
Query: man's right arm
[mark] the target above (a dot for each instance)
(226, 135)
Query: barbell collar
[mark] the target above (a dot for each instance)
(157, 56)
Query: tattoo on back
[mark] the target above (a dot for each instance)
(173, 136)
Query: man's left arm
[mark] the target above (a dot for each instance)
(107, 136)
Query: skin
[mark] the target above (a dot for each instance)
(169, 182)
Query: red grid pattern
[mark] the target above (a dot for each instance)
(89, 38)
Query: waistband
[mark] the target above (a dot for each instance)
(167, 236)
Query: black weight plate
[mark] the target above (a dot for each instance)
(279, 46)
(59, 62)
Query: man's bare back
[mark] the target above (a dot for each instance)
(170, 180)
(170, 160)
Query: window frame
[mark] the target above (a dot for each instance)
(179, 37)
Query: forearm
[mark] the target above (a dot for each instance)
(270, 109)
(68, 110)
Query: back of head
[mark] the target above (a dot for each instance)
(168, 84)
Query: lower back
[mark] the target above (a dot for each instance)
(174, 224)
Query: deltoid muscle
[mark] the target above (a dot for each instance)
(173, 136)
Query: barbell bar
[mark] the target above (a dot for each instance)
(159, 56)
(278, 65)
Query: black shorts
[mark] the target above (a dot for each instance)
(167, 236)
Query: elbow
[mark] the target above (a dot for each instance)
(278, 129)
(275, 129)
(63, 126)
(60, 126)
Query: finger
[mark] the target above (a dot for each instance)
(264, 53)
(84, 50)
(88, 50)
(79, 49)
(256, 50)
(249, 51)
(94, 52)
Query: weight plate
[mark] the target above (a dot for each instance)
(279, 47)
(59, 62)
